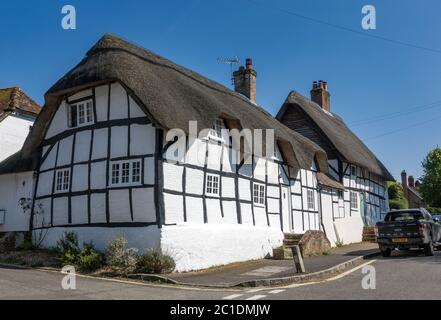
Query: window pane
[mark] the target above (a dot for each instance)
(125, 172)
(89, 112)
(212, 184)
(81, 114)
(115, 173)
(73, 116)
(136, 171)
(66, 180)
(59, 180)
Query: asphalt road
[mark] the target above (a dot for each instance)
(407, 276)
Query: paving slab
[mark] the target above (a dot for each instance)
(233, 274)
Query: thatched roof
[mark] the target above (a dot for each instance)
(345, 142)
(15, 100)
(327, 181)
(171, 95)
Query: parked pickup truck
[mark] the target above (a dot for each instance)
(407, 229)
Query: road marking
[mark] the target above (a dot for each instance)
(344, 274)
(276, 291)
(254, 290)
(233, 296)
(266, 271)
(256, 297)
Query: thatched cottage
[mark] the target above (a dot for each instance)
(100, 162)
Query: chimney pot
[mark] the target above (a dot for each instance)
(245, 80)
(404, 178)
(249, 63)
(320, 94)
(411, 181)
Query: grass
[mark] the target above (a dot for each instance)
(32, 258)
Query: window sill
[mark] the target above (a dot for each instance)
(82, 125)
(61, 191)
(213, 195)
(126, 185)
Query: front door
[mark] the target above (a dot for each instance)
(286, 210)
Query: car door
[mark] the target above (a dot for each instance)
(435, 227)
(437, 230)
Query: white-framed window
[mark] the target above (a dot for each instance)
(62, 180)
(216, 131)
(310, 197)
(212, 184)
(81, 114)
(353, 171)
(354, 200)
(259, 194)
(125, 172)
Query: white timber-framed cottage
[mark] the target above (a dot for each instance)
(364, 200)
(101, 164)
(17, 115)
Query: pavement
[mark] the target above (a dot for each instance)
(403, 276)
(253, 271)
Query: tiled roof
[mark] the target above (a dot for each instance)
(14, 99)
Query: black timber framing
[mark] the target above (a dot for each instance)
(54, 142)
(53, 184)
(159, 178)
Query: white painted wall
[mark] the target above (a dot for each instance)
(374, 188)
(201, 246)
(13, 132)
(142, 142)
(348, 229)
(140, 238)
(13, 187)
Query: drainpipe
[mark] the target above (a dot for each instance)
(319, 189)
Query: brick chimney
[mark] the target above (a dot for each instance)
(320, 94)
(404, 178)
(411, 182)
(245, 80)
(404, 182)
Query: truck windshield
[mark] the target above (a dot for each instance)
(404, 216)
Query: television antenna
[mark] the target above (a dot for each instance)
(231, 62)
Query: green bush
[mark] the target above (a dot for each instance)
(154, 261)
(119, 258)
(68, 247)
(434, 210)
(68, 243)
(89, 259)
(396, 196)
(398, 204)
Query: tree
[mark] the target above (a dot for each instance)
(430, 187)
(396, 196)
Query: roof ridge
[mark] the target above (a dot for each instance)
(212, 84)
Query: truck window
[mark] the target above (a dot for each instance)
(404, 216)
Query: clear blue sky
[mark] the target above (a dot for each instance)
(367, 77)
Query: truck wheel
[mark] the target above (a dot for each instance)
(428, 249)
(386, 252)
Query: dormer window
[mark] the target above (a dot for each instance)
(216, 132)
(81, 114)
